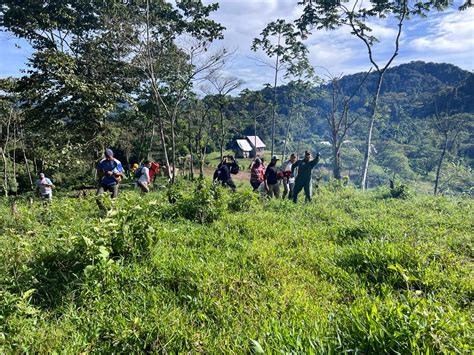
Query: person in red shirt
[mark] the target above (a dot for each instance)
(257, 172)
(154, 171)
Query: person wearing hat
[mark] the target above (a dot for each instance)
(271, 179)
(110, 172)
(303, 179)
(45, 188)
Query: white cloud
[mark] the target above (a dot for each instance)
(442, 37)
(453, 32)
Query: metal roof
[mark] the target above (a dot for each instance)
(259, 142)
(244, 145)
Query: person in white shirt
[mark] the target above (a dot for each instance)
(144, 179)
(288, 180)
(45, 188)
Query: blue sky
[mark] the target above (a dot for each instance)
(441, 37)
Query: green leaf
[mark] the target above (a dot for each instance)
(256, 347)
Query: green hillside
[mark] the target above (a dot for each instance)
(406, 143)
(220, 273)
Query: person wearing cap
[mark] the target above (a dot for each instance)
(110, 172)
(271, 179)
(303, 179)
(133, 169)
(288, 179)
(257, 172)
(45, 187)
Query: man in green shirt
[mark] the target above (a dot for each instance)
(303, 179)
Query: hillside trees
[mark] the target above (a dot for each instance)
(13, 140)
(74, 78)
(91, 56)
(449, 127)
(279, 40)
(168, 47)
(252, 107)
(339, 120)
(357, 16)
(223, 86)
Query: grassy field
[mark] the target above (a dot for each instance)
(215, 272)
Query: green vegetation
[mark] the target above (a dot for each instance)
(217, 273)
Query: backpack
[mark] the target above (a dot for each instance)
(234, 168)
(138, 172)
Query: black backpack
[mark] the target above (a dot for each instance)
(138, 172)
(234, 168)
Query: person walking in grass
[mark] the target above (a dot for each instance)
(154, 171)
(224, 170)
(110, 172)
(257, 173)
(45, 187)
(144, 179)
(288, 180)
(271, 179)
(303, 179)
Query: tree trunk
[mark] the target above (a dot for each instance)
(336, 167)
(365, 167)
(255, 135)
(5, 172)
(299, 140)
(162, 132)
(4, 157)
(222, 134)
(14, 157)
(440, 163)
(200, 151)
(287, 134)
(28, 171)
(150, 144)
(173, 150)
(274, 103)
(337, 163)
(191, 159)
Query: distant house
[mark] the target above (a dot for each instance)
(258, 147)
(243, 148)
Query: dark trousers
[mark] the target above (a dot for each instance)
(255, 185)
(230, 183)
(143, 187)
(106, 188)
(300, 185)
(288, 188)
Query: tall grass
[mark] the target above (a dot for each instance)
(216, 272)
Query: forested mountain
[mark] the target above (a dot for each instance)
(426, 122)
(407, 143)
(409, 91)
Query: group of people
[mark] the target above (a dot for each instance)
(294, 175)
(145, 174)
(111, 172)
